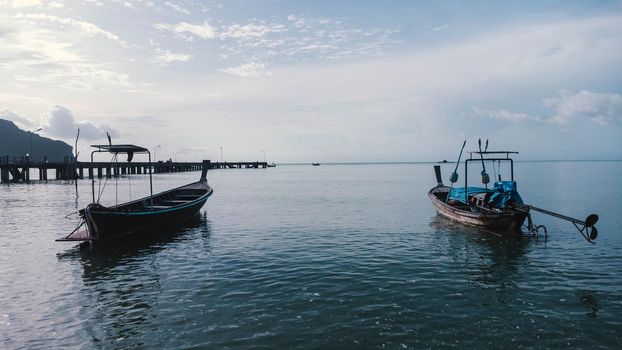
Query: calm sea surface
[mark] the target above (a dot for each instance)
(336, 256)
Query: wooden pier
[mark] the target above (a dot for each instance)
(13, 170)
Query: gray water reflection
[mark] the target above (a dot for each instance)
(329, 257)
(489, 262)
(122, 281)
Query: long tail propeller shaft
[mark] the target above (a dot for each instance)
(581, 225)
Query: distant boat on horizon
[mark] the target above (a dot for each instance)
(315, 164)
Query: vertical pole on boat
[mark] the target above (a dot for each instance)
(150, 181)
(204, 168)
(485, 177)
(439, 179)
(454, 176)
(466, 177)
(93, 178)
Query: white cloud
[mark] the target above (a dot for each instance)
(82, 26)
(248, 70)
(60, 122)
(22, 99)
(14, 117)
(55, 5)
(294, 40)
(64, 52)
(354, 104)
(372, 104)
(177, 8)
(165, 57)
(601, 108)
(306, 22)
(25, 3)
(303, 39)
(297, 20)
(250, 30)
(188, 30)
(504, 115)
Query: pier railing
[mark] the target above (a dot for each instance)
(18, 169)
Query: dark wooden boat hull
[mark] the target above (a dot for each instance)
(104, 223)
(504, 223)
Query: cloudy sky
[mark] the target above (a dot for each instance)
(330, 81)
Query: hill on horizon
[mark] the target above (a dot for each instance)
(15, 142)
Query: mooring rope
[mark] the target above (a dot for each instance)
(99, 195)
(494, 171)
(70, 215)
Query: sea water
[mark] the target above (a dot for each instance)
(297, 257)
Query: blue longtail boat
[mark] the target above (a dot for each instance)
(499, 210)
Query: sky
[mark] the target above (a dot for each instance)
(327, 81)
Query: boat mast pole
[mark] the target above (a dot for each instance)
(150, 180)
(466, 168)
(93, 177)
(454, 176)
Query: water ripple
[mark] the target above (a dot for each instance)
(361, 261)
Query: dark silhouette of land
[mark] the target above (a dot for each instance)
(17, 143)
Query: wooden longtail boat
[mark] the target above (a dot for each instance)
(506, 221)
(492, 210)
(168, 207)
(500, 209)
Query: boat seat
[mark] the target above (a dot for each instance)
(187, 196)
(158, 206)
(174, 202)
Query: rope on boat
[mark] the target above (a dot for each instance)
(494, 170)
(100, 192)
(82, 222)
(70, 215)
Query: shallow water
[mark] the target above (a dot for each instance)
(341, 256)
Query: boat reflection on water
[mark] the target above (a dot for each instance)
(590, 302)
(491, 262)
(104, 255)
(123, 280)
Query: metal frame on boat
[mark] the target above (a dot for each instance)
(168, 207)
(474, 209)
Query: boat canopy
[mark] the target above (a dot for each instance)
(458, 193)
(502, 193)
(116, 149)
(121, 148)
